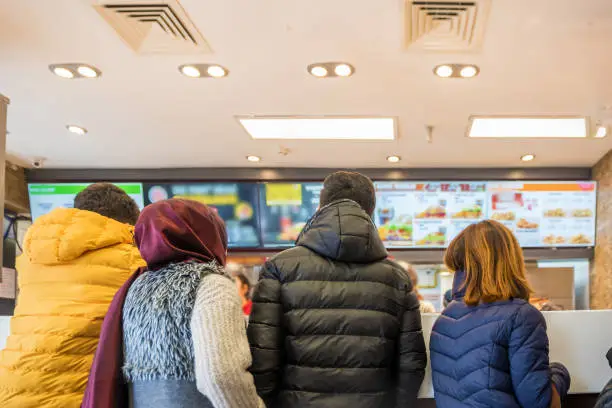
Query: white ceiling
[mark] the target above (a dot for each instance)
(539, 57)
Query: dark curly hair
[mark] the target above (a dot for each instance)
(108, 200)
(349, 185)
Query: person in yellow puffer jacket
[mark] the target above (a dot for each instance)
(74, 261)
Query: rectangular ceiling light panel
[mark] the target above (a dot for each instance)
(320, 128)
(527, 127)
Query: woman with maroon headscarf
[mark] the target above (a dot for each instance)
(183, 336)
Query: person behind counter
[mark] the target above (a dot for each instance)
(425, 306)
(334, 323)
(244, 291)
(489, 348)
(74, 261)
(184, 337)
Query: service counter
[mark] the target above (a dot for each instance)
(578, 339)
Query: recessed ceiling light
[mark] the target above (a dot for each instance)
(63, 72)
(343, 70)
(601, 132)
(253, 159)
(444, 71)
(469, 71)
(75, 70)
(393, 159)
(528, 157)
(320, 128)
(190, 71)
(318, 71)
(527, 127)
(87, 72)
(76, 129)
(216, 71)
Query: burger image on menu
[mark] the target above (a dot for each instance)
(555, 213)
(398, 229)
(504, 216)
(526, 224)
(434, 238)
(553, 239)
(470, 213)
(433, 212)
(582, 213)
(580, 239)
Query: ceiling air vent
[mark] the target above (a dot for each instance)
(445, 25)
(154, 28)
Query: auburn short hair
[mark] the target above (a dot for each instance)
(493, 262)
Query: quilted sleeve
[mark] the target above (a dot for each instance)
(528, 355)
(412, 356)
(265, 333)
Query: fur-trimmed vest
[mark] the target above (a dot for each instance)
(156, 323)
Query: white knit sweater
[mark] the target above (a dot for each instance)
(222, 354)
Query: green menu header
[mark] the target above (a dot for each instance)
(50, 189)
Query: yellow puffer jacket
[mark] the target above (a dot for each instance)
(73, 263)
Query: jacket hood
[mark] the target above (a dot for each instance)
(344, 232)
(65, 234)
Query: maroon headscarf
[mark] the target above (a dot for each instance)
(177, 230)
(168, 231)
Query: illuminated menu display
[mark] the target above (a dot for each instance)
(545, 213)
(430, 215)
(285, 209)
(426, 215)
(408, 214)
(236, 204)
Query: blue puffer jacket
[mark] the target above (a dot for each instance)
(491, 355)
(605, 398)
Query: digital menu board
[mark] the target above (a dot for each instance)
(236, 204)
(285, 209)
(46, 197)
(545, 213)
(431, 214)
(426, 215)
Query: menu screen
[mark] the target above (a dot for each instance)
(545, 213)
(426, 215)
(236, 204)
(431, 215)
(285, 209)
(46, 197)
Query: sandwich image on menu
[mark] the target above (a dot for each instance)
(430, 219)
(394, 223)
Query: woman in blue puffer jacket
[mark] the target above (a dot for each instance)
(489, 348)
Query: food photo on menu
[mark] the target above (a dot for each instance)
(394, 213)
